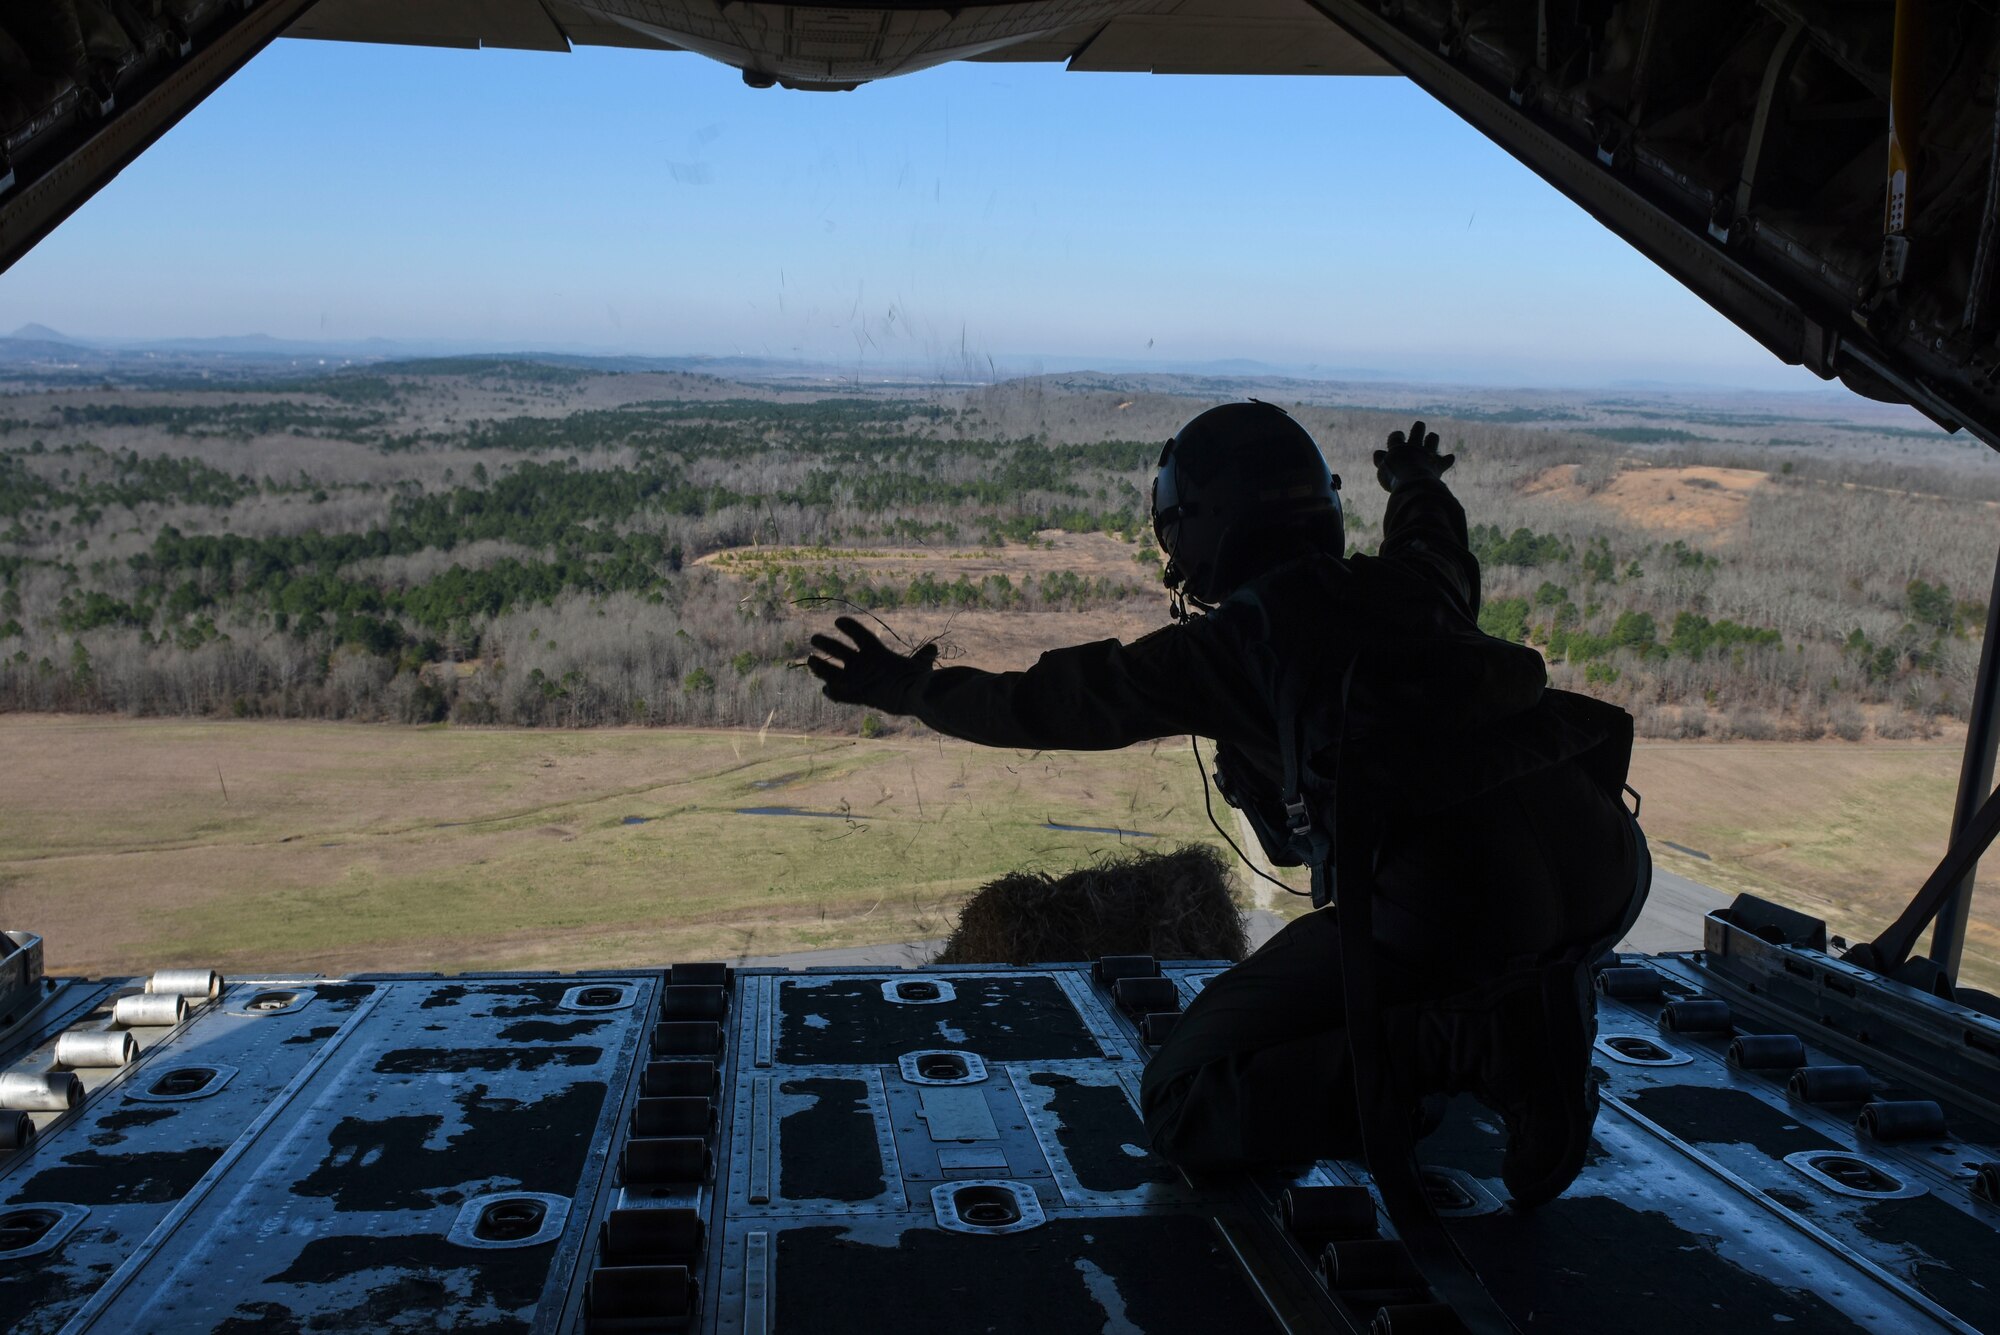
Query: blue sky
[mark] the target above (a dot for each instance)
(651, 203)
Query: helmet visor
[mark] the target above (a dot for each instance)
(1167, 508)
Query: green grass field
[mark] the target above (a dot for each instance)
(129, 845)
(258, 846)
(1845, 832)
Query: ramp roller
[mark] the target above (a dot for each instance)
(148, 1009)
(107, 1047)
(201, 984)
(40, 1091)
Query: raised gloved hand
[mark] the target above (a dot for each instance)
(1410, 457)
(867, 672)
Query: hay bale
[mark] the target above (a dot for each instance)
(1169, 905)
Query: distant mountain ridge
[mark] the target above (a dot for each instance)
(40, 351)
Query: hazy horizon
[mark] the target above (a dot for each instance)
(649, 204)
(999, 366)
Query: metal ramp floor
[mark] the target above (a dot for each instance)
(857, 1152)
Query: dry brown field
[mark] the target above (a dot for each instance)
(1693, 500)
(131, 845)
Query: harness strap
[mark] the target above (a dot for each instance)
(1312, 842)
(1386, 1107)
(1339, 843)
(1342, 860)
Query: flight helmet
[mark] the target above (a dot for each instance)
(1229, 482)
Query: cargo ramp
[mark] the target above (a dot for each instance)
(1787, 1142)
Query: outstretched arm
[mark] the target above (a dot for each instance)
(1423, 529)
(1087, 697)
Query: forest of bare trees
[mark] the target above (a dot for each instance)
(525, 546)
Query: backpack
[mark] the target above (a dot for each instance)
(1414, 649)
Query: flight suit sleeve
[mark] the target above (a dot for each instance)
(1099, 696)
(1424, 533)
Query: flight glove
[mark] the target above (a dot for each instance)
(867, 672)
(1411, 457)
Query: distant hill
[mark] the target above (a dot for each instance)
(40, 333)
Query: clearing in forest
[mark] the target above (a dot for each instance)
(1095, 555)
(1688, 500)
(996, 607)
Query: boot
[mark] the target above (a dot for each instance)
(1548, 1116)
(1522, 1048)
